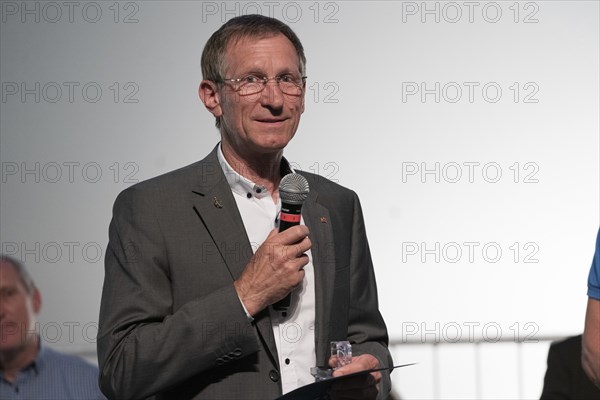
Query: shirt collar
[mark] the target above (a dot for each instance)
(244, 186)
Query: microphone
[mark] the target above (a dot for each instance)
(293, 190)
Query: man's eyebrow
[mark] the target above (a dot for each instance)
(245, 72)
(262, 73)
(290, 70)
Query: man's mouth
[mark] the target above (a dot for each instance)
(270, 120)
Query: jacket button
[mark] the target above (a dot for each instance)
(274, 375)
(237, 352)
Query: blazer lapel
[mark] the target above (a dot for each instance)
(218, 212)
(317, 219)
(215, 205)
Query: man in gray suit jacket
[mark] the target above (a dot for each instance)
(195, 261)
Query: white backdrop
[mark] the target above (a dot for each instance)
(468, 129)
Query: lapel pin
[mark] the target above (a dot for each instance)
(217, 203)
(323, 220)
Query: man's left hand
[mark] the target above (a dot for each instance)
(359, 387)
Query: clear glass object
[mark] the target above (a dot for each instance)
(341, 352)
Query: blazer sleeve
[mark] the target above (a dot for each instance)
(145, 345)
(366, 328)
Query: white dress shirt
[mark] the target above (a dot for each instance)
(294, 330)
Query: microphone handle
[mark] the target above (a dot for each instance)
(289, 216)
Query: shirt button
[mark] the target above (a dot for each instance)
(274, 375)
(258, 190)
(287, 361)
(249, 195)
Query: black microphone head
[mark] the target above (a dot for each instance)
(293, 189)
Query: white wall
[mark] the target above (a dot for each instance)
(513, 135)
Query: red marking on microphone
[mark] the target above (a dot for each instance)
(289, 217)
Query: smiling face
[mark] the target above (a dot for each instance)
(263, 123)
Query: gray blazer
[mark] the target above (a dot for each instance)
(171, 324)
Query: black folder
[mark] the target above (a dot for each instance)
(320, 390)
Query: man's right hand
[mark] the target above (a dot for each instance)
(275, 269)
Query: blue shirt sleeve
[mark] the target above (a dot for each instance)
(594, 277)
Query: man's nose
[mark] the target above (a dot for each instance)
(272, 96)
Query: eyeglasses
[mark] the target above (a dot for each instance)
(252, 84)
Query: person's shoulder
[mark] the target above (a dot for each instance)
(180, 180)
(64, 361)
(69, 373)
(172, 179)
(327, 187)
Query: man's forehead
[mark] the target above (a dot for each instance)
(241, 47)
(245, 40)
(8, 274)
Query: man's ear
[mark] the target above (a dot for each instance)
(210, 97)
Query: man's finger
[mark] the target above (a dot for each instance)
(292, 235)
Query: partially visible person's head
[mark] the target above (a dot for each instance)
(20, 302)
(244, 27)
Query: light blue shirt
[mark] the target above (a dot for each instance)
(53, 375)
(594, 277)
